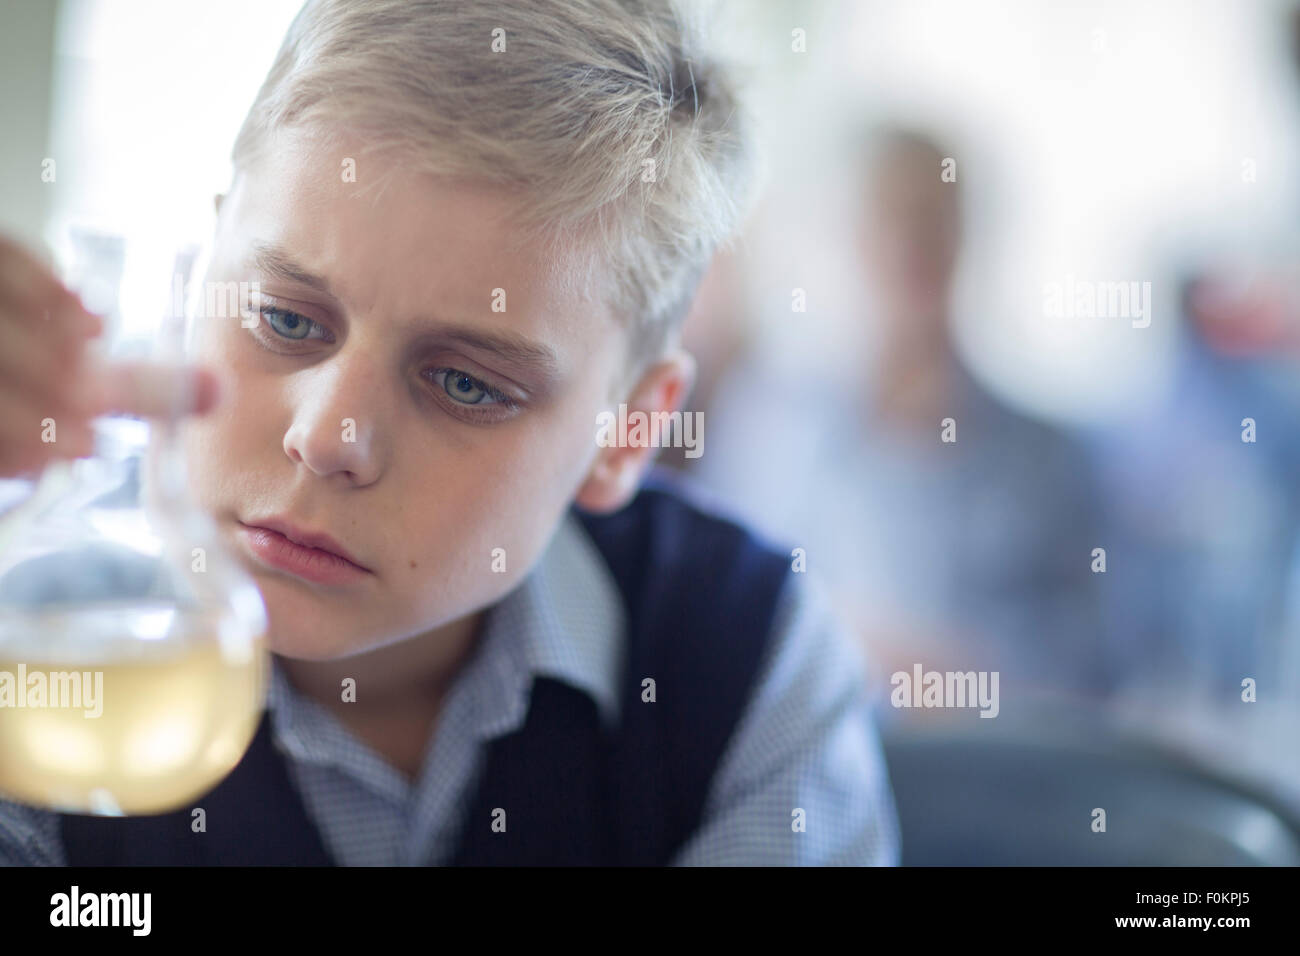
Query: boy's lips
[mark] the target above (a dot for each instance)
(311, 539)
(311, 555)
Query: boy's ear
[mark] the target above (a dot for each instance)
(617, 470)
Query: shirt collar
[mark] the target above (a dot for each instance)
(564, 621)
(567, 620)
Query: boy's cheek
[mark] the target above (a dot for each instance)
(216, 442)
(204, 464)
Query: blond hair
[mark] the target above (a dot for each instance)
(618, 129)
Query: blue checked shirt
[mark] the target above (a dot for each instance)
(806, 740)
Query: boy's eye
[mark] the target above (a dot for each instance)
(290, 325)
(465, 389)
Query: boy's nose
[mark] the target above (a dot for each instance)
(334, 426)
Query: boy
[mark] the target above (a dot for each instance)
(474, 228)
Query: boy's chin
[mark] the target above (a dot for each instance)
(301, 644)
(297, 629)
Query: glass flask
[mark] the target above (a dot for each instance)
(133, 662)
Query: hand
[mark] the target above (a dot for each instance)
(45, 377)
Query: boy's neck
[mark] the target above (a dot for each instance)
(409, 677)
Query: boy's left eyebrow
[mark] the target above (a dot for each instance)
(515, 349)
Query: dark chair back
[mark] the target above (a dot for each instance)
(1003, 796)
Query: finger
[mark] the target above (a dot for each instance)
(63, 319)
(28, 283)
(31, 290)
(31, 435)
(153, 390)
(74, 318)
(36, 359)
(48, 399)
(65, 316)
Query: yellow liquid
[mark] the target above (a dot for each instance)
(175, 715)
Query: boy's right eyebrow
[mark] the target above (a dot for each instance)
(275, 262)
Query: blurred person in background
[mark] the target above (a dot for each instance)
(1203, 504)
(971, 554)
(1209, 477)
(1203, 487)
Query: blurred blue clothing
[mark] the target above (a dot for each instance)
(988, 538)
(1206, 521)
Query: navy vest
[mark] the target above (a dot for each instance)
(700, 596)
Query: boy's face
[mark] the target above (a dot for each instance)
(385, 403)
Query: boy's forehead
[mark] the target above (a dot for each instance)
(424, 251)
(366, 222)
